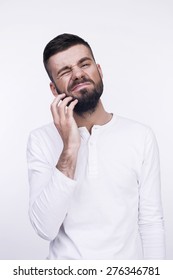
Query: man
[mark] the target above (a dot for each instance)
(94, 176)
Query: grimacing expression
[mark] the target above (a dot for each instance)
(75, 73)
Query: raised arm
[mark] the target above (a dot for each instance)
(51, 188)
(68, 130)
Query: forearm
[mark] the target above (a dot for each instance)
(49, 208)
(67, 162)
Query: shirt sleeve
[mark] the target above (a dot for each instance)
(151, 225)
(50, 192)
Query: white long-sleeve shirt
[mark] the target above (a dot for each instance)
(114, 198)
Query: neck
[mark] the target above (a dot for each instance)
(97, 117)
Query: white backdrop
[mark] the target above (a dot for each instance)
(133, 42)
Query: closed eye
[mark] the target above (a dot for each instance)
(65, 73)
(85, 65)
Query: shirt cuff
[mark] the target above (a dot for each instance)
(63, 182)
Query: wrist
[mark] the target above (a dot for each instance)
(71, 150)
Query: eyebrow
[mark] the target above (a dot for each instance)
(69, 67)
(84, 59)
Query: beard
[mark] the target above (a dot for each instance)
(88, 98)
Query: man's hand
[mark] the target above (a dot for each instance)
(68, 130)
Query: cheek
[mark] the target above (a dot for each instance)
(62, 86)
(97, 77)
(96, 74)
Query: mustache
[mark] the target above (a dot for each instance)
(77, 82)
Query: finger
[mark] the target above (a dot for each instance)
(54, 104)
(65, 101)
(58, 98)
(62, 108)
(71, 107)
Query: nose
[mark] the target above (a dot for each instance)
(77, 73)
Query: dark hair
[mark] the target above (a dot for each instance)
(60, 43)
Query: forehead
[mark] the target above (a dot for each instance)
(70, 57)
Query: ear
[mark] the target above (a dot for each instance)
(100, 70)
(53, 89)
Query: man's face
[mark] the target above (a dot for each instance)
(75, 73)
